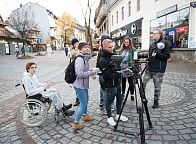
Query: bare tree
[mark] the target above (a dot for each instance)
(19, 21)
(87, 21)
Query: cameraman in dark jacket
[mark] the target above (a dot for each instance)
(110, 82)
(160, 52)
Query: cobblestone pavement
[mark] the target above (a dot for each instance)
(173, 123)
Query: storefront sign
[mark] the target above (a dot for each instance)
(181, 29)
(120, 33)
(133, 29)
(167, 11)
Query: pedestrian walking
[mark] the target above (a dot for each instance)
(49, 51)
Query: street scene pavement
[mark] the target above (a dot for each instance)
(173, 123)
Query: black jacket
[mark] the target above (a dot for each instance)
(110, 78)
(159, 62)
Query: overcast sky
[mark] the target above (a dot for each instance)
(56, 6)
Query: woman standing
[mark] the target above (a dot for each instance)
(81, 84)
(127, 62)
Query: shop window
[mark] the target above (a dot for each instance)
(172, 20)
(159, 23)
(182, 37)
(184, 16)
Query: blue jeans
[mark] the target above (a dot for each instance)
(83, 97)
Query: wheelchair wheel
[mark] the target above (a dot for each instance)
(32, 112)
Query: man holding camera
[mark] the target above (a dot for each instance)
(159, 52)
(110, 82)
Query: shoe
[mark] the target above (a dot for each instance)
(132, 98)
(111, 121)
(101, 103)
(77, 126)
(123, 95)
(77, 102)
(67, 113)
(66, 107)
(87, 118)
(122, 118)
(156, 104)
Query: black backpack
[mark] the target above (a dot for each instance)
(70, 75)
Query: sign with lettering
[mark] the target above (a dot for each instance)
(167, 11)
(181, 29)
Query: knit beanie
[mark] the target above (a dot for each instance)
(74, 40)
(81, 45)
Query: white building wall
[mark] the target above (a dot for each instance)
(40, 17)
(148, 11)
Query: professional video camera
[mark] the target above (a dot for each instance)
(140, 56)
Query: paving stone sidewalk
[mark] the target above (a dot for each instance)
(173, 123)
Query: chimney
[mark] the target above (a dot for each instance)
(20, 5)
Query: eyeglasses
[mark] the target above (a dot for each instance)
(33, 67)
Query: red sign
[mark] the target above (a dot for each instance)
(181, 29)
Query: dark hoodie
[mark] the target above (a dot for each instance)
(110, 76)
(159, 62)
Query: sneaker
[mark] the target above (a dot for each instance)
(87, 118)
(132, 98)
(77, 102)
(67, 106)
(111, 121)
(122, 118)
(77, 126)
(67, 113)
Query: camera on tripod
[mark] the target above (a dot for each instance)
(139, 56)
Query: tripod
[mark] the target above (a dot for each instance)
(137, 80)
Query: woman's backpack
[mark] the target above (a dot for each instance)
(70, 75)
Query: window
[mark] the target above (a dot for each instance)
(117, 17)
(112, 20)
(138, 5)
(122, 13)
(183, 17)
(172, 20)
(158, 23)
(129, 8)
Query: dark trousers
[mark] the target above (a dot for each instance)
(130, 81)
(111, 93)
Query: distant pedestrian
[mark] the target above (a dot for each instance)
(49, 51)
(66, 50)
(17, 51)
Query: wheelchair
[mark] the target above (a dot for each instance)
(34, 110)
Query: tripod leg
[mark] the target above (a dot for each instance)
(124, 102)
(140, 110)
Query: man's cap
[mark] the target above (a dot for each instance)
(74, 40)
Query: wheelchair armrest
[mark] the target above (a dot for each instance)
(39, 97)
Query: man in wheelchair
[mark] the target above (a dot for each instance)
(33, 87)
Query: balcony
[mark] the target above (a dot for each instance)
(102, 14)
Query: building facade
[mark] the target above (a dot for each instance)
(137, 19)
(44, 20)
